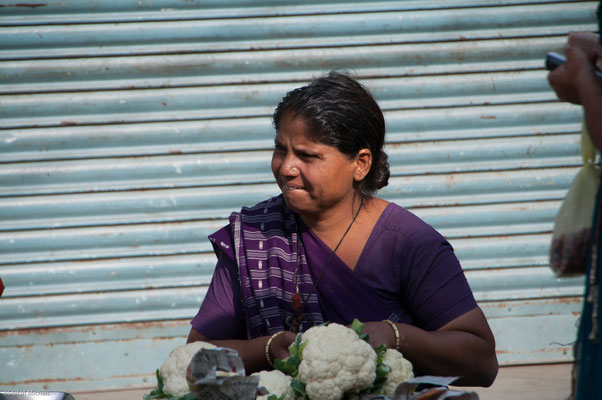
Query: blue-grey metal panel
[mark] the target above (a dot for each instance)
(130, 130)
(76, 108)
(76, 11)
(295, 31)
(244, 67)
(219, 135)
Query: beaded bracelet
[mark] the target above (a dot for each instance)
(396, 331)
(267, 348)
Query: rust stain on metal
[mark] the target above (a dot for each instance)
(30, 5)
(488, 117)
(36, 331)
(175, 151)
(68, 123)
(518, 303)
(91, 328)
(43, 381)
(567, 300)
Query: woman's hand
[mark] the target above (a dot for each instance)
(252, 351)
(583, 51)
(279, 345)
(576, 82)
(464, 347)
(380, 332)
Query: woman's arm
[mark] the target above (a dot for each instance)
(221, 316)
(464, 347)
(252, 351)
(576, 83)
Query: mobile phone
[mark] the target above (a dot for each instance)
(554, 60)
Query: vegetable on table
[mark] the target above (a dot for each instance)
(401, 370)
(171, 376)
(277, 383)
(326, 362)
(331, 362)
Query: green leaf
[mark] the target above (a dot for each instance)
(274, 397)
(358, 328)
(299, 388)
(159, 380)
(382, 370)
(381, 350)
(158, 393)
(290, 365)
(155, 394)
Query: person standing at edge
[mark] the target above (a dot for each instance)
(576, 83)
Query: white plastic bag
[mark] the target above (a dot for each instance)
(573, 225)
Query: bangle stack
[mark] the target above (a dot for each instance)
(396, 331)
(267, 348)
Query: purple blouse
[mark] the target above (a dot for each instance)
(407, 272)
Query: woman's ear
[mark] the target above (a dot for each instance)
(363, 163)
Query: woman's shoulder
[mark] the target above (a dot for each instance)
(403, 221)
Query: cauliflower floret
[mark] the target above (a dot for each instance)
(276, 382)
(401, 370)
(173, 370)
(335, 361)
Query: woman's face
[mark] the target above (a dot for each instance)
(314, 177)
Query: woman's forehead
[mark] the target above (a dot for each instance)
(296, 127)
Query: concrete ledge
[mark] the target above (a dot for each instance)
(533, 382)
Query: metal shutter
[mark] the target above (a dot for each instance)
(129, 130)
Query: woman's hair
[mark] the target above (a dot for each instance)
(340, 112)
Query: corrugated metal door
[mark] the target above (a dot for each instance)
(131, 129)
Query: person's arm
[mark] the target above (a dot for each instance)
(464, 347)
(220, 321)
(576, 83)
(252, 351)
(449, 334)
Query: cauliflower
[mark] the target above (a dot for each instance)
(401, 370)
(335, 360)
(173, 370)
(276, 382)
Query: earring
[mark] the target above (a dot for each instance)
(294, 170)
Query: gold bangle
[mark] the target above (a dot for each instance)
(267, 348)
(396, 331)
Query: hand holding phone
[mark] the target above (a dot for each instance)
(555, 60)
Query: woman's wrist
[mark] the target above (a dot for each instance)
(268, 356)
(396, 338)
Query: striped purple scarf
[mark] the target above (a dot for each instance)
(265, 247)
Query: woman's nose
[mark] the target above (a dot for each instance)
(289, 167)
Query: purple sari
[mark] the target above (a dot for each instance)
(407, 272)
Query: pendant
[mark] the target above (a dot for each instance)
(296, 303)
(294, 322)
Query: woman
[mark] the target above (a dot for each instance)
(576, 82)
(327, 250)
